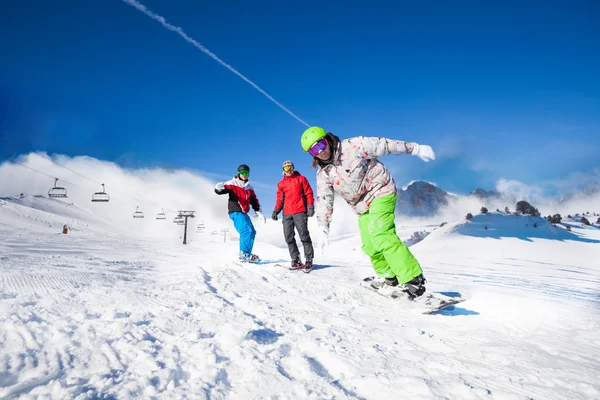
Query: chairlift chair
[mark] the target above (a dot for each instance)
(101, 196)
(57, 191)
(178, 220)
(138, 213)
(161, 215)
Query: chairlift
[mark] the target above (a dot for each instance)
(178, 220)
(101, 196)
(138, 213)
(57, 191)
(161, 215)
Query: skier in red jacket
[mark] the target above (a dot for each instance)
(295, 197)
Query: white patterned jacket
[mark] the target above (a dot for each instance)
(355, 174)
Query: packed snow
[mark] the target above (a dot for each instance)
(101, 312)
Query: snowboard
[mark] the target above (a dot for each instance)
(255, 261)
(428, 303)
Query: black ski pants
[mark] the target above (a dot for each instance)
(300, 222)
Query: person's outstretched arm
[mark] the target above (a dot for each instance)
(223, 187)
(373, 147)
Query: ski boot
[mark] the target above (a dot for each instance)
(384, 286)
(384, 283)
(415, 287)
(308, 266)
(248, 257)
(296, 265)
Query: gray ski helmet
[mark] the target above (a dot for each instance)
(287, 164)
(243, 167)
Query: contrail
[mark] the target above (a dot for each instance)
(181, 33)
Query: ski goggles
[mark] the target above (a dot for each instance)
(318, 147)
(244, 172)
(288, 168)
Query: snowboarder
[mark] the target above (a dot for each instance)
(241, 198)
(295, 197)
(350, 168)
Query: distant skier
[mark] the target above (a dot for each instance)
(350, 168)
(295, 197)
(241, 198)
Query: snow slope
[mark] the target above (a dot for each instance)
(98, 314)
(40, 211)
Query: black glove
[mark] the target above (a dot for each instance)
(274, 216)
(310, 211)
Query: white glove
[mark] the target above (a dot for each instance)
(423, 151)
(220, 186)
(323, 240)
(261, 217)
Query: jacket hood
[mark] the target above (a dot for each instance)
(243, 182)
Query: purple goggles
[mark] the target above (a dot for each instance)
(318, 147)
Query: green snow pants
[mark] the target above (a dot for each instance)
(389, 256)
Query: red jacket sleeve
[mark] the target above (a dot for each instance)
(279, 199)
(308, 192)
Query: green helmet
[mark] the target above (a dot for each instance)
(311, 136)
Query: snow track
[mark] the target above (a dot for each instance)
(86, 316)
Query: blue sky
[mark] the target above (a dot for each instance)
(499, 90)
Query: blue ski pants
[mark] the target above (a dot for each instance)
(243, 226)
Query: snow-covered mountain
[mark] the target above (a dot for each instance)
(99, 313)
(422, 199)
(589, 192)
